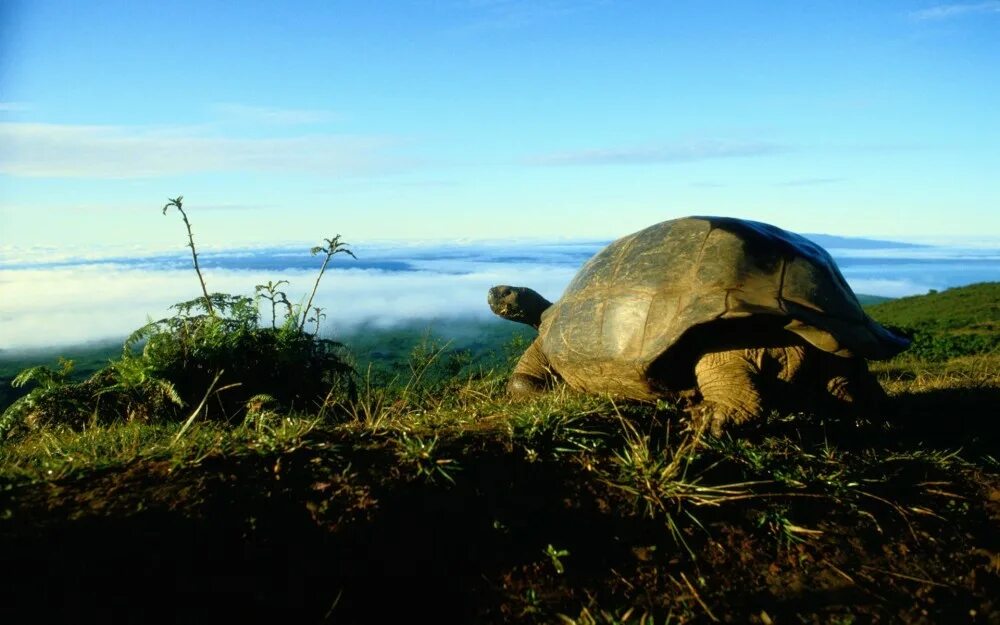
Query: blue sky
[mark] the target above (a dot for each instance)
(494, 118)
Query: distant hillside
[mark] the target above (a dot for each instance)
(975, 307)
(871, 300)
(857, 243)
(948, 323)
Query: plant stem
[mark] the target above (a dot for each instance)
(176, 202)
(201, 404)
(333, 247)
(305, 311)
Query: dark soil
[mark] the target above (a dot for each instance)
(349, 537)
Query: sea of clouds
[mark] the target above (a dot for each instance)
(61, 297)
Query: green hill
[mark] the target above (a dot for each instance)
(956, 322)
(868, 300)
(975, 307)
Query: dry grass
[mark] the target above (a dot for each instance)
(910, 375)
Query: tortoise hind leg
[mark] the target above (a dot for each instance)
(851, 387)
(532, 375)
(728, 382)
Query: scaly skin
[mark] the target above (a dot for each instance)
(532, 374)
(737, 385)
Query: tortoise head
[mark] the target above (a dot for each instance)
(518, 303)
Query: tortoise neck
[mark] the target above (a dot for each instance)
(533, 317)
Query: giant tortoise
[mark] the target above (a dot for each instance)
(750, 315)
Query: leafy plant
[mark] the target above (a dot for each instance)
(48, 383)
(333, 247)
(45, 377)
(135, 383)
(212, 353)
(555, 556)
(295, 368)
(271, 293)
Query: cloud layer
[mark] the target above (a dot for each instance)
(271, 115)
(661, 153)
(75, 302)
(78, 151)
(65, 306)
(947, 11)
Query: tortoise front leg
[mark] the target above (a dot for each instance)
(728, 382)
(532, 375)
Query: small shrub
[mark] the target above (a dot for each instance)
(295, 368)
(940, 346)
(212, 353)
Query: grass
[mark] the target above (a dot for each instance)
(972, 308)
(60, 453)
(567, 508)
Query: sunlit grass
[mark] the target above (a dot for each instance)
(907, 374)
(59, 452)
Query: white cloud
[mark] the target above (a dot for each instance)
(63, 305)
(442, 255)
(66, 306)
(893, 288)
(14, 107)
(946, 11)
(808, 182)
(271, 115)
(709, 184)
(77, 151)
(662, 153)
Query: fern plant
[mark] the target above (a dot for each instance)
(294, 367)
(48, 383)
(212, 352)
(271, 293)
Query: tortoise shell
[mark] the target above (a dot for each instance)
(635, 300)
